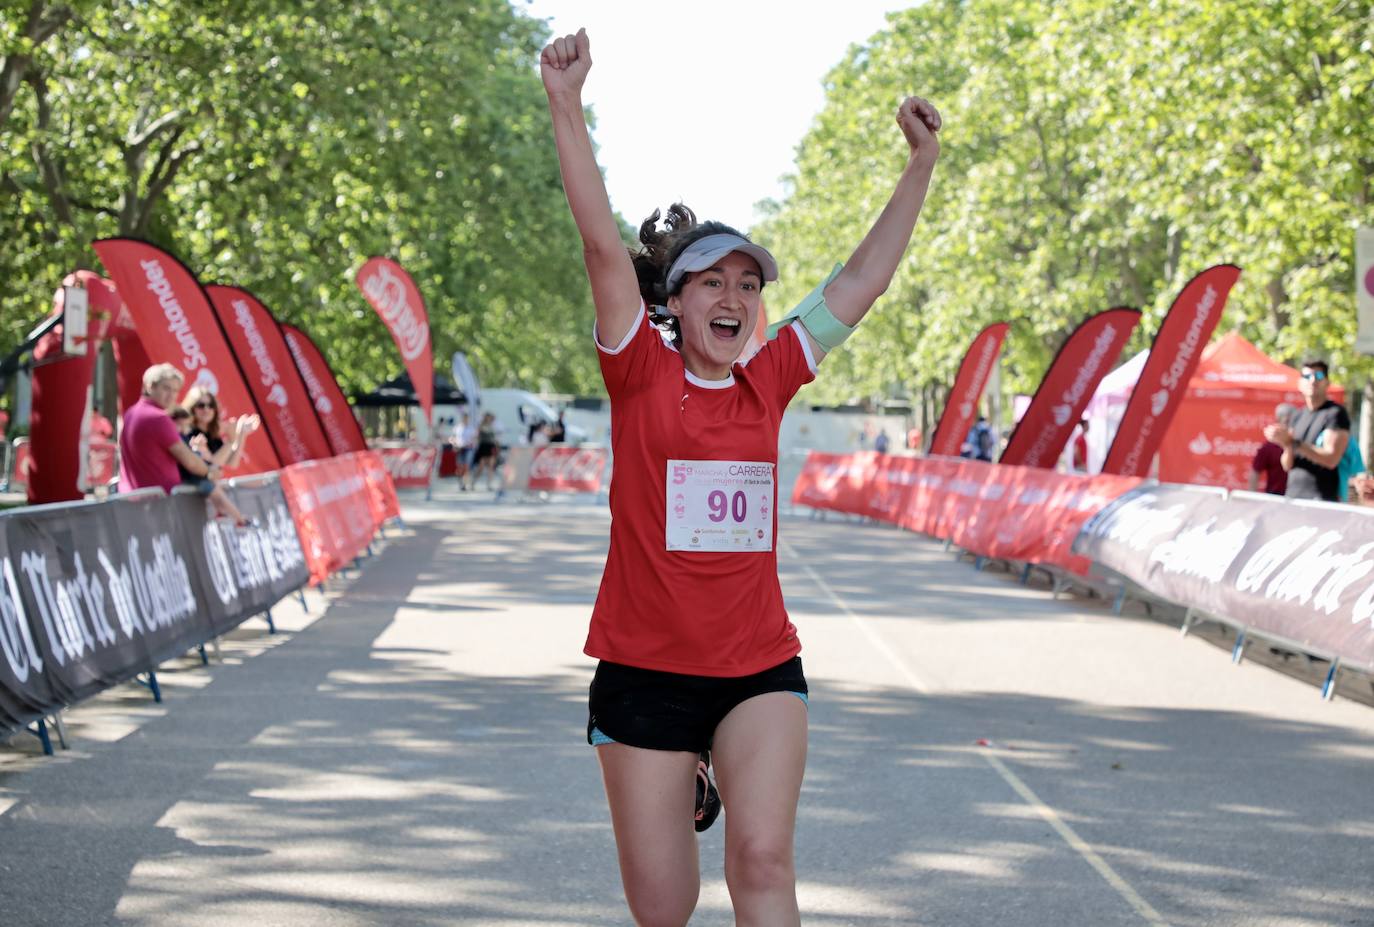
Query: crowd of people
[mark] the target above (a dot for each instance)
(166, 444)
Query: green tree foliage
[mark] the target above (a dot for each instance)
(1094, 154)
(276, 145)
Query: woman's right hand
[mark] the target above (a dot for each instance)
(564, 64)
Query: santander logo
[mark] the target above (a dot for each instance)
(206, 379)
(388, 295)
(277, 396)
(1061, 414)
(323, 405)
(1158, 401)
(1200, 445)
(966, 410)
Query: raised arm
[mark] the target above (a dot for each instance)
(563, 65)
(870, 268)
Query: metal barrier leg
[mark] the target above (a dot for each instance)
(979, 563)
(1238, 651)
(271, 625)
(1188, 621)
(204, 658)
(1025, 574)
(1329, 687)
(300, 597)
(40, 730)
(60, 728)
(151, 685)
(1120, 601)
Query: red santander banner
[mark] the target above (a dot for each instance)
(1163, 382)
(567, 469)
(1085, 358)
(342, 430)
(331, 503)
(272, 374)
(177, 325)
(394, 295)
(1011, 513)
(962, 407)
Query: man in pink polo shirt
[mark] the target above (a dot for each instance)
(150, 447)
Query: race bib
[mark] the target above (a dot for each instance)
(720, 505)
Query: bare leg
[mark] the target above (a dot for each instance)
(220, 500)
(759, 756)
(651, 793)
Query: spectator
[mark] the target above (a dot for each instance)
(978, 445)
(880, 443)
(914, 438)
(1315, 442)
(225, 443)
(204, 485)
(1268, 459)
(150, 447)
(558, 431)
(465, 438)
(99, 425)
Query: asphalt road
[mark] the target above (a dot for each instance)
(981, 754)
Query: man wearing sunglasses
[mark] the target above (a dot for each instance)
(1314, 440)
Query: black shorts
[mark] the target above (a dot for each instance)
(674, 711)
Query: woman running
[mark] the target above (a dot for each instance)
(697, 653)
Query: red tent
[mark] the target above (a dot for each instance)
(1221, 420)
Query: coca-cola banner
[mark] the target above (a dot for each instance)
(411, 465)
(397, 300)
(178, 326)
(272, 375)
(1163, 382)
(1300, 571)
(1012, 513)
(342, 430)
(92, 594)
(331, 504)
(558, 468)
(962, 407)
(1084, 359)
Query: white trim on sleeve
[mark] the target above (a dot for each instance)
(624, 342)
(800, 332)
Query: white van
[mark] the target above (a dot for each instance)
(518, 410)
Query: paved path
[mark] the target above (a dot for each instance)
(413, 756)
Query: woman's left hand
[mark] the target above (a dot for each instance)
(920, 122)
(247, 424)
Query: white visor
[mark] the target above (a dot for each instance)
(705, 252)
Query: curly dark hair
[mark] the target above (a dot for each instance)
(658, 251)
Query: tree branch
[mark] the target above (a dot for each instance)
(43, 22)
(48, 168)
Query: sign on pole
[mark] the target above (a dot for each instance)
(1364, 289)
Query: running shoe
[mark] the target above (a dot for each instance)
(708, 799)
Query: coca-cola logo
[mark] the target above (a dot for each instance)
(387, 293)
(408, 463)
(563, 465)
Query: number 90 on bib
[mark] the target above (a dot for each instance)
(720, 506)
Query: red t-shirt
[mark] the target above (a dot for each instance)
(697, 612)
(144, 458)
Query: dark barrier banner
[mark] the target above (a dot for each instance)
(1302, 571)
(336, 416)
(1012, 513)
(1163, 382)
(177, 325)
(272, 375)
(95, 593)
(391, 292)
(1083, 360)
(962, 406)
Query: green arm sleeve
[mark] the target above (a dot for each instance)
(816, 318)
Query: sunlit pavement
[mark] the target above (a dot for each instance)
(414, 755)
